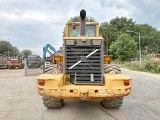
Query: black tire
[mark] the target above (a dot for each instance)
(112, 102)
(51, 102)
(20, 67)
(9, 67)
(49, 71)
(111, 67)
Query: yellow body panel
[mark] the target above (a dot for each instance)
(55, 86)
(59, 59)
(107, 59)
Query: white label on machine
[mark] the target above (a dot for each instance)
(47, 64)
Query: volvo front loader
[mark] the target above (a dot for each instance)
(86, 72)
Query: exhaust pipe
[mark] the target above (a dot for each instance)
(82, 22)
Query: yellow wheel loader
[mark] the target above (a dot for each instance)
(86, 73)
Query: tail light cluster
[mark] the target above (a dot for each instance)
(41, 82)
(126, 82)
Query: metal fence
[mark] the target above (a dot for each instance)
(32, 71)
(43, 68)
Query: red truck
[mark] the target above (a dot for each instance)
(15, 62)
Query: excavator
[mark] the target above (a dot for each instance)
(50, 60)
(46, 49)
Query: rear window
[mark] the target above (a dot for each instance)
(90, 31)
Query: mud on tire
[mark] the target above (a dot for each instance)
(112, 102)
(51, 102)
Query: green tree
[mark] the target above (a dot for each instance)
(122, 24)
(124, 48)
(150, 38)
(15, 51)
(77, 19)
(110, 31)
(6, 48)
(25, 53)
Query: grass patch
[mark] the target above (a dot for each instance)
(148, 65)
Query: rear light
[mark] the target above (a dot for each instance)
(41, 82)
(126, 82)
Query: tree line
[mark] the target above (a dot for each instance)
(124, 45)
(6, 48)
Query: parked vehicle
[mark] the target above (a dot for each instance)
(156, 56)
(15, 62)
(33, 61)
(3, 61)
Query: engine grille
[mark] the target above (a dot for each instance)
(92, 65)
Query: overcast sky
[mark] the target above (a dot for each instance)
(31, 24)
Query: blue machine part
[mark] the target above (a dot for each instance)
(46, 49)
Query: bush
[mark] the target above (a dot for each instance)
(153, 66)
(148, 65)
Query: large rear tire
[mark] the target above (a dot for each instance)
(112, 102)
(51, 102)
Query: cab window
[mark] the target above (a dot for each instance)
(90, 31)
